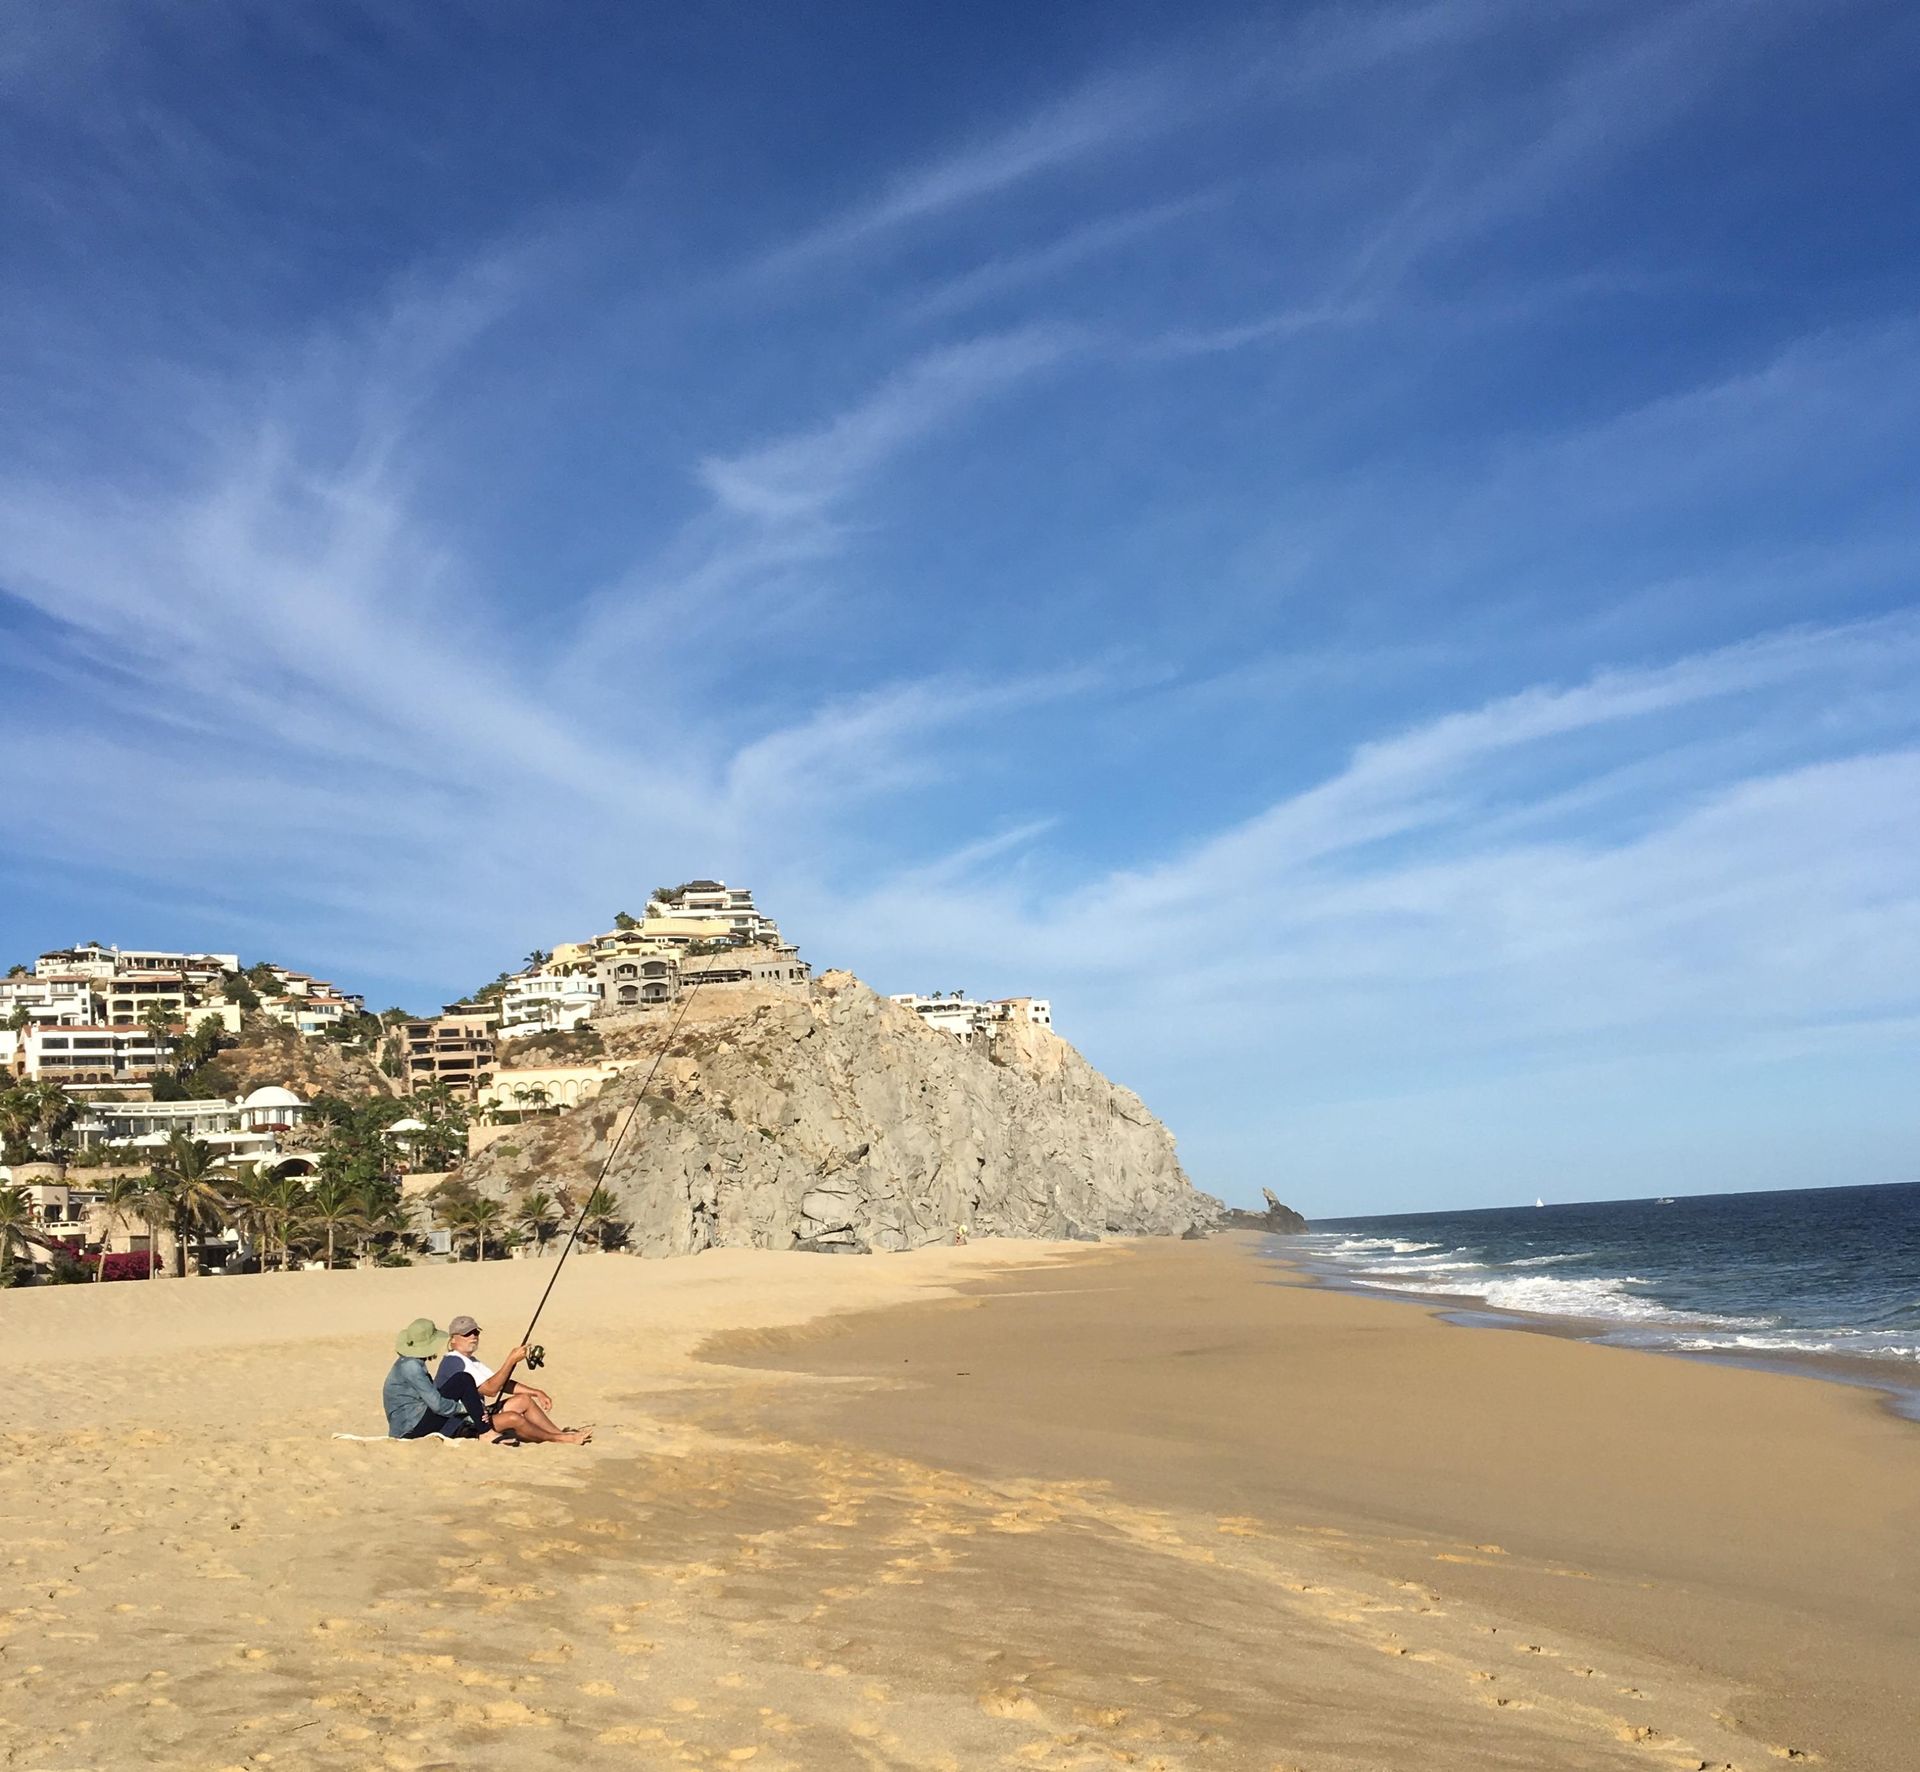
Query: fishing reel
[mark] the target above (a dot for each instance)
(536, 1358)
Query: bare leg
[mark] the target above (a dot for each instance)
(523, 1416)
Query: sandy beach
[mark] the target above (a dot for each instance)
(1141, 1504)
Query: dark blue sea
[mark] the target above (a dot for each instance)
(1824, 1279)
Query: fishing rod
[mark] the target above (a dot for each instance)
(537, 1356)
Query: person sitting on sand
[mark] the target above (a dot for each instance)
(518, 1409)
(415, 1408)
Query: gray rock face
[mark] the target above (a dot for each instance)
(841, 1118)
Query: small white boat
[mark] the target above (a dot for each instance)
(1538, 1201)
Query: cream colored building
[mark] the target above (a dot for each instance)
(535, 1089)
(456, 1048)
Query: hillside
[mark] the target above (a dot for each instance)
(843, 1117)
(273, 1052)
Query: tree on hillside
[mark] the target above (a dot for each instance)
(185, 1179)
(334, 1205)
(624, 920)
(536, 1217)
(151, 1201)
(463, 1211)
(35, 1117)
(237, 988)
(601, 1218)
(537, 958)
(119, 1202)
(20, 1232)
(157, 1019)
(391, 1218)
(19, 1114)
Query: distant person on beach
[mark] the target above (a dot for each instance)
(514, 1408)
(415, 1408)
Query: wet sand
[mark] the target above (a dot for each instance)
(1013, 1505)
(1734, 1553)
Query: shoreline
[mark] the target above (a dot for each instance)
(1464, 1310)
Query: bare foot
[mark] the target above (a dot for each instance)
(576, 1436)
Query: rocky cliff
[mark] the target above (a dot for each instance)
(841, 1117)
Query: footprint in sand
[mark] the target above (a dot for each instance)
(1004, 1703)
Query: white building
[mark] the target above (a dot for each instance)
(59, 998)
(1036, 1011)
(957, 1014)
(309, 1005)
(714, 901)
(97, 961)
(254, 1122)
(87, 1055)
(547, 1002)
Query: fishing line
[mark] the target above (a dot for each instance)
(537, 1356)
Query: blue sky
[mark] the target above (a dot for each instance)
(1366, 551)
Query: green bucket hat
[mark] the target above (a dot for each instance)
(420, 1340)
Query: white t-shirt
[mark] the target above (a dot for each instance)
(477, 1370)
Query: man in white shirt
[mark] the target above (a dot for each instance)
(517, 1409)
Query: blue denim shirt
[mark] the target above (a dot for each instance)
(410, 1398)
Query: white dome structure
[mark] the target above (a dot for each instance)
(400, 1128)
(271, 1105)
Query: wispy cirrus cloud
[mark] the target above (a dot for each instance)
(803, 475)
(1089, 120)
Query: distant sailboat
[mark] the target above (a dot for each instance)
(1538, 1201)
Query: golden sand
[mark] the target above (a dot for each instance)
(1026, 1506)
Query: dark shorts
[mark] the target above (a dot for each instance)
(452, 1427)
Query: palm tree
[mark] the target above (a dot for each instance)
(393, 1216)
(475, 1214)
(599, 1215)
(535, 1218)
(19, 1114)
(20, 1232)
(119, 1201)
(152, 1201)
(184, 1178)
(157, 1019)
(258, 1207)
(334, 1204)
(56, 1112)
(285, 1194)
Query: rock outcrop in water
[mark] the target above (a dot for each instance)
(841, 1118)
(1282, 1220)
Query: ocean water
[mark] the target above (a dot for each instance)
(1820, 1278)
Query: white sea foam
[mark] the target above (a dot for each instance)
(1359, 1245)
(1855, 1344)
(1547, 1295)
(1549, 1260)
